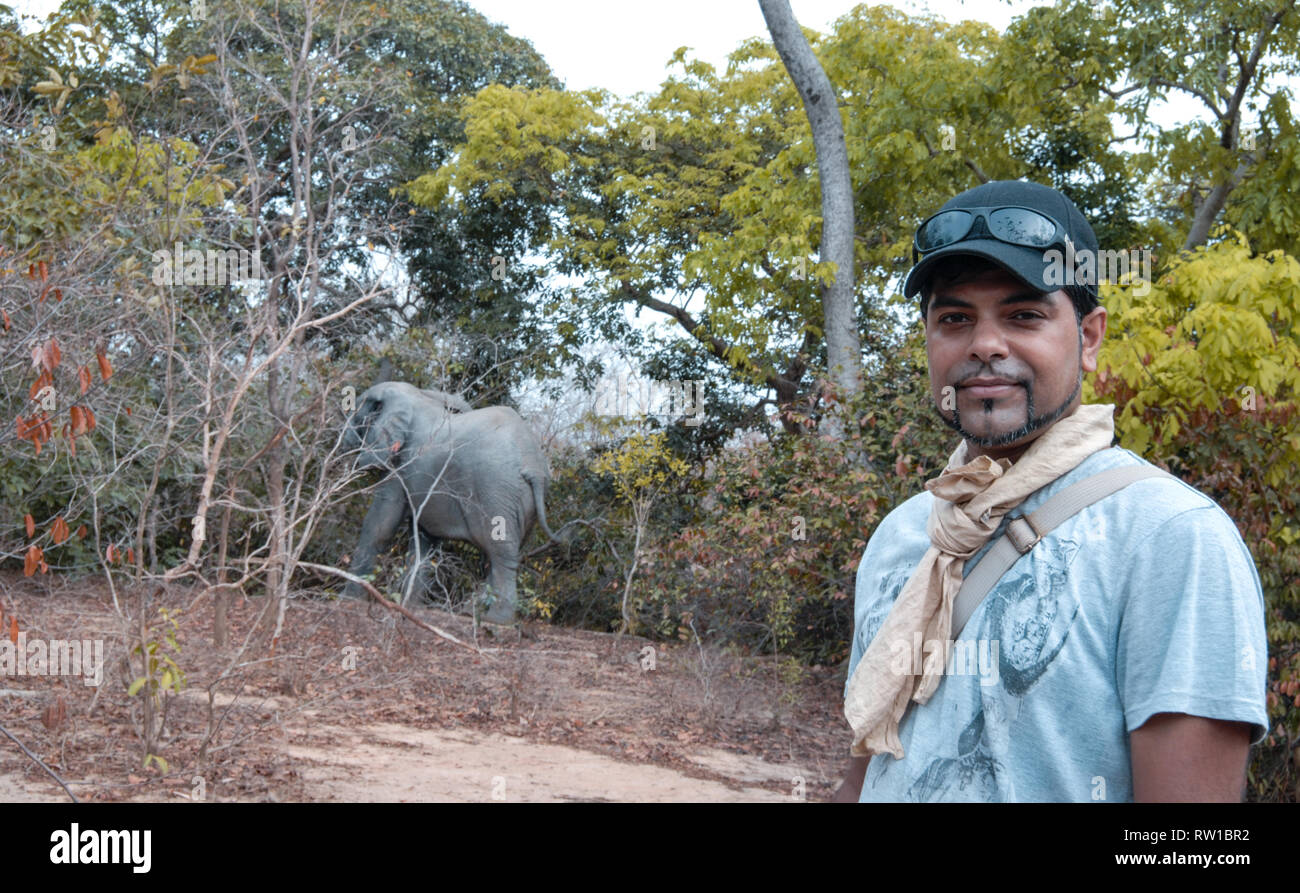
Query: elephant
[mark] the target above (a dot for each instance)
(477, 475)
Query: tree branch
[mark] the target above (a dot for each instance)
(37, 760)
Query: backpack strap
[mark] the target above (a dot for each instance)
(1024, 531)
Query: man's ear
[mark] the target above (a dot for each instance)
(1093, 330)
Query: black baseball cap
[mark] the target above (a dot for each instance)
(1028, 264)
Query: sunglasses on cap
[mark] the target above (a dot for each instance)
(1013, 225)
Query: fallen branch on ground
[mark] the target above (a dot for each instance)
(392, 606)
(37, 760)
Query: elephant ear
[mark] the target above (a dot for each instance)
(382, 425)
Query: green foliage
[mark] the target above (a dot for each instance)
(1216, 335)
(769, 560)
(1205, 371)
(709, 186)
(640, 469)
(576, 582)
(158, 652)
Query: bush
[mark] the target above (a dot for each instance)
(770, 560)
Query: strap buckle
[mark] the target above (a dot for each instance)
(1022, 534)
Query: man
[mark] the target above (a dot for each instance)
(1123, 656)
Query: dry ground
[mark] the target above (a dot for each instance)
(359, 704)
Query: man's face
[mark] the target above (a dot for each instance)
(1014, 359)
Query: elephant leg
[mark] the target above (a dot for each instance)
(501, 578)
(415, 582)
(386, 514)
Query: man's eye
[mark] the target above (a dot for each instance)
(951, 317)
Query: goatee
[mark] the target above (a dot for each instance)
(1032, 422)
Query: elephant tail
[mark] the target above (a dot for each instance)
(538, 484)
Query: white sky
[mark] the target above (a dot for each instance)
(624, 47)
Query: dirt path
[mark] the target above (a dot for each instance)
(395, 763)
(358, 705)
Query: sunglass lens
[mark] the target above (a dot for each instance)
(943, 229)
(1022, 227)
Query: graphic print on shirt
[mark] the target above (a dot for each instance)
(1030, 616)
(892, 585)
(974, 766)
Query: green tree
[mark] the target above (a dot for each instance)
(699, 202)
(642, 470)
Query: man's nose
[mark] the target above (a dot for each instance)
(988, 341)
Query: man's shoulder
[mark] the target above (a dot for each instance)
(1149, 520)
(1156, 499)
(910, 514)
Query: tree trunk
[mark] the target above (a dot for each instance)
(220, 610)
(843, 348)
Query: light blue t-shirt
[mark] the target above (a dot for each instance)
(1145, 602)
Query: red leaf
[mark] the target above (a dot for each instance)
(5, 314)
(52, 354)
(105, 368)
(59, 530)
(83, 378)
(31, 525)
(13, 629)
(32, 560)
(81, 532)
(45, 271)
(42, 381)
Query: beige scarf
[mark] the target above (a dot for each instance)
(971, 498)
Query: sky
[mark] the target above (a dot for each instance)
(624, 47)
